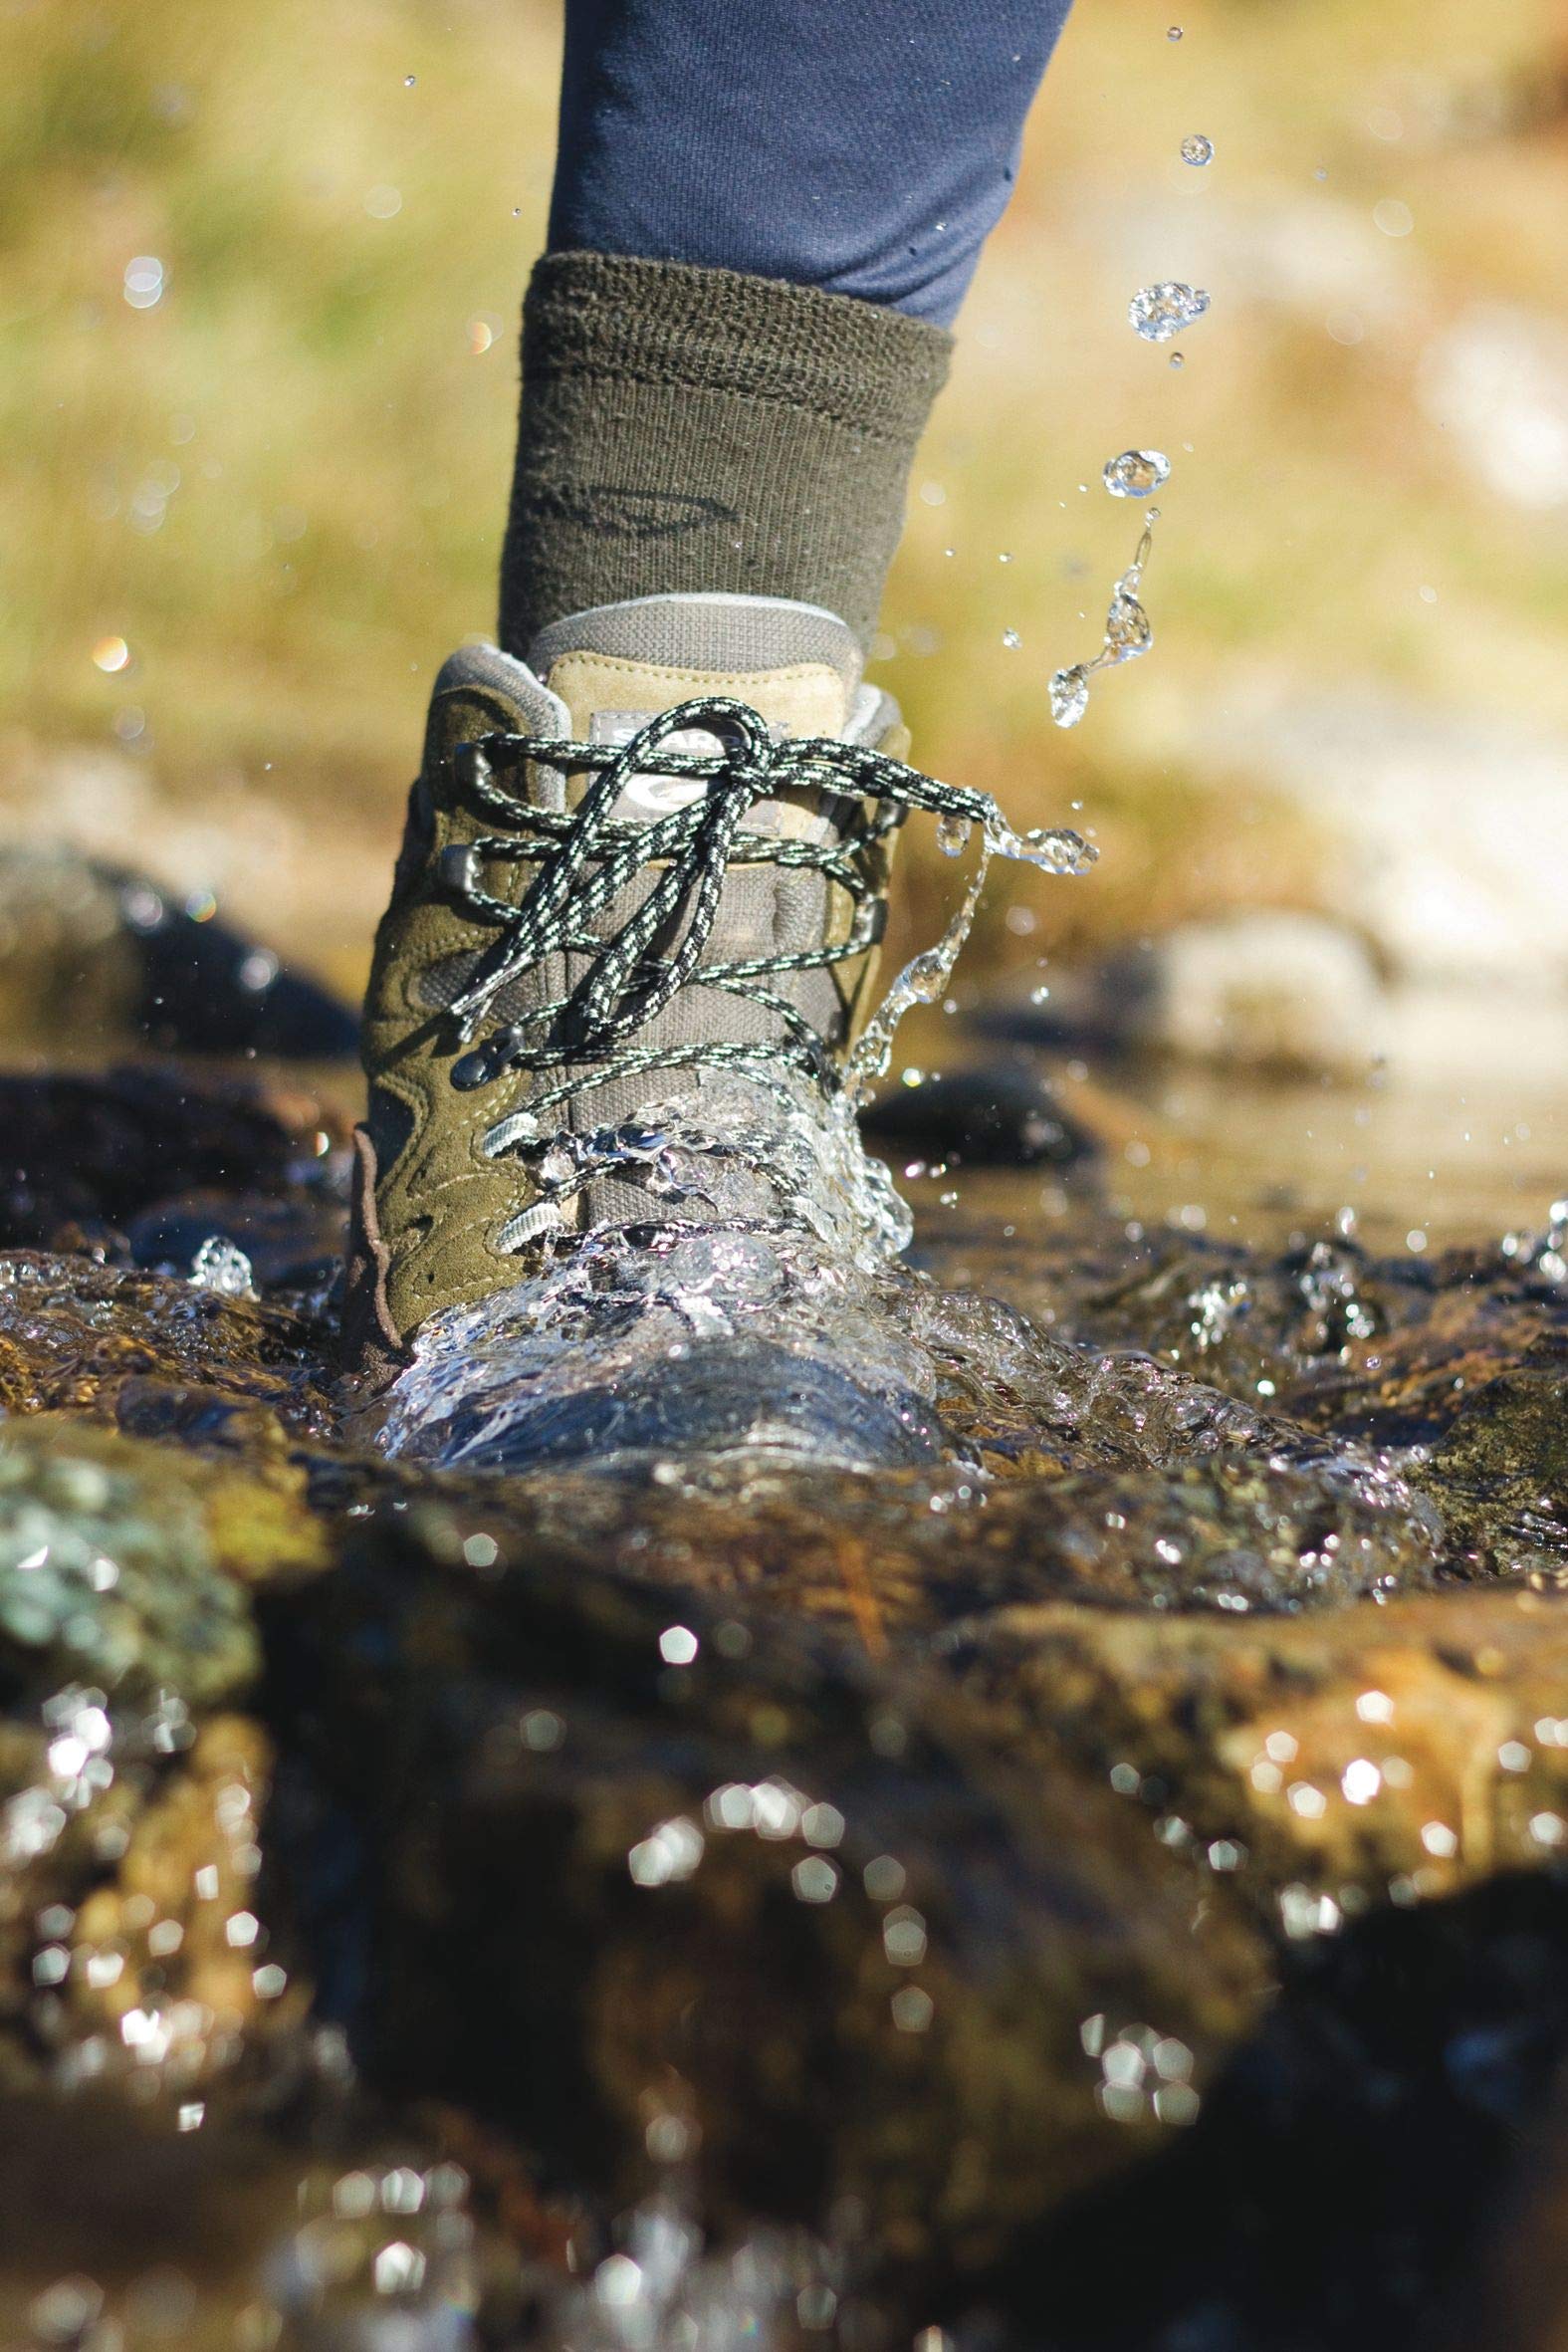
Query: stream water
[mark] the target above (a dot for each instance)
(923, 1778)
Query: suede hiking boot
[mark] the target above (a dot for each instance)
(651, 861)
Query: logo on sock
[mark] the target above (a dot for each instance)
(612, 509)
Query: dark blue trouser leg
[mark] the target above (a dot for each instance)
(861, 146)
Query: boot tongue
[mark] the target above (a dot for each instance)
(618, 665)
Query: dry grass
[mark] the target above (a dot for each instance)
(283, 484)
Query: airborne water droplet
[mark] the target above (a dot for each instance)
(1175, 33)
(1159, 312)
(1127, 629)
(1137, 473)
(1197, 149)
(1069, 695)
(953, 835)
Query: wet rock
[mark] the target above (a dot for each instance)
(128, 1802)
(1317, 1764)
(92, 952)
(1260, 990)
(1346, 2187)
(1233, 1535)
(90, 1152)
(1322, 1334)
(764, 1907)
(1500, 1474)
(1001, 1115)
(81, 1338)
(109, 1568)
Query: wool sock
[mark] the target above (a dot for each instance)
(687, 429)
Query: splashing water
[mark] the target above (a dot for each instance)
(1128, 632)
(1159, 312)
(750, 1318)
(1137, 473)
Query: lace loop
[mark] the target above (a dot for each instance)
(587, 857)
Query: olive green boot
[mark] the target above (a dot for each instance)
(694, 893)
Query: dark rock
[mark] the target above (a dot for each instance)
(90, 953)
(1344, 2187)
(290, 1242)
(648, 1880)
(96, 1150)
(1004, 1114)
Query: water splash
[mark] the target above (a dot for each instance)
(924, 980)
(1159, 312)
(1127, 632)
(1137, 473)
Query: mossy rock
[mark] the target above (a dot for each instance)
(125, 1565)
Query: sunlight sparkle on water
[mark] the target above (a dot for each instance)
(146, 281)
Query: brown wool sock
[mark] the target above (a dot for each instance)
(688, 429)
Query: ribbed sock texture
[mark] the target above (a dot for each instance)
(688, 429)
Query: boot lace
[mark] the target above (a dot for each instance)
(584, 858)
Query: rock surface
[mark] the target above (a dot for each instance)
(889, 1870)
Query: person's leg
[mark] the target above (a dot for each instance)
(864, 149)
(765, 215)
(571, 1028)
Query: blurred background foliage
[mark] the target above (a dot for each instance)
(262, 267)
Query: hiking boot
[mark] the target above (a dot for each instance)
(687, 899)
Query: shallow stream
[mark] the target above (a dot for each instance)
(1045, 1832)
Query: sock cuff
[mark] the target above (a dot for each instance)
(680, 327)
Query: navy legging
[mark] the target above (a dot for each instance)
(863, 146)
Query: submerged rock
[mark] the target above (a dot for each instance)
(1500, 1474)
(771, 1913)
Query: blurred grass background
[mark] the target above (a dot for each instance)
(278, 474)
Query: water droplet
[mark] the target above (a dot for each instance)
(110, 653)
(1394, 219)
(953, 835)
(1069, 695)
(1159, 312)
(1012, 640)
(1127, 629)
(1137, 473)
(408, 81)
(1197, 149)
(1177, 360)
(1174, 34)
